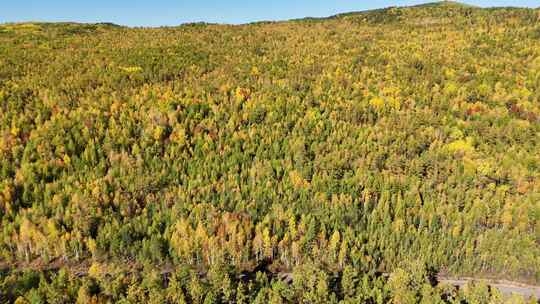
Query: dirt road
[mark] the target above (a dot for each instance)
(505, 287)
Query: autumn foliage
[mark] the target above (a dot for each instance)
(281, 162)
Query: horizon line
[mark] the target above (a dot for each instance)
(260, 20)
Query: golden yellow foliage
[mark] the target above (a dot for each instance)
(462, 146)
(377, 102)
(131, 69)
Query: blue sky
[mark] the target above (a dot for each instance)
(173, 12)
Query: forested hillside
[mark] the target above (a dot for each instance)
(346, 159)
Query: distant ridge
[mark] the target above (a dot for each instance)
(65, 23)
(450, 4)
(439, 6)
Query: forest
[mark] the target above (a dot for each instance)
(348, 159)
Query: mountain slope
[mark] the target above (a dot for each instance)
(195, 163)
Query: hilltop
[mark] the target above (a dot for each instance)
(441, 8)
(433, 8)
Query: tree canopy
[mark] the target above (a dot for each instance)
(358, 155)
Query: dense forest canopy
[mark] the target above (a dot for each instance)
(345, 159)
